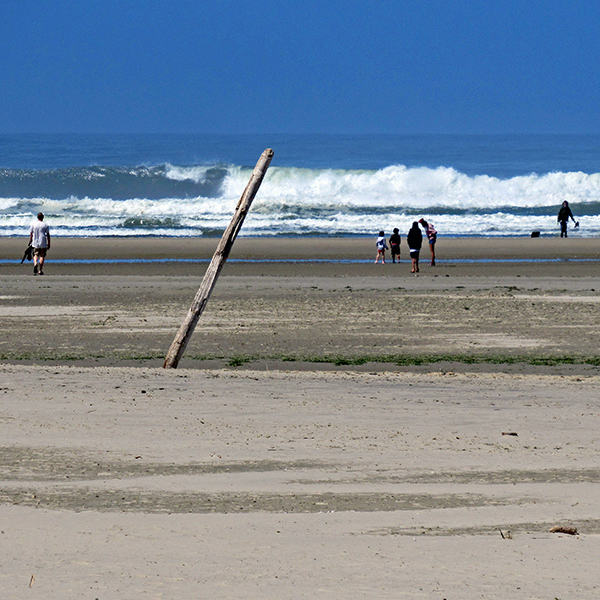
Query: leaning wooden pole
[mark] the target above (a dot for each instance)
(218, 260)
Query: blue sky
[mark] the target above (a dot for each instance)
(301, 66)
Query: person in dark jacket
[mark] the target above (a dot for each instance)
(415, 241)
(395, 245)
(564, 214)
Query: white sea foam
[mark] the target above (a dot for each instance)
(420, 188)
(6, 203)
(196, 174)
(328, 201)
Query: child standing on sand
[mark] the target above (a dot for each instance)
(381, 247)
(395, 245)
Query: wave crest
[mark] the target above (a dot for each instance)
(198, 199)
(419, 188)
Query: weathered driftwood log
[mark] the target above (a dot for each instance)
(218, 260)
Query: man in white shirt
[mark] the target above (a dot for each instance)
(39, 240)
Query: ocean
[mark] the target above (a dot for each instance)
(317, 185)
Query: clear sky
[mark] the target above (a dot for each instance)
(300, 66)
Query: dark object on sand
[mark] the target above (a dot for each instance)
(28, 254)
(535, 234)
(510, 433)
(564, 529)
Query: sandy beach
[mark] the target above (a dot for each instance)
(531, 298)
(120, 482)
(336, 429)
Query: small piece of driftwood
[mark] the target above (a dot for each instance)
(564, 529)
(218, 260)
(510, 433)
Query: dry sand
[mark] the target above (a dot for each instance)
(130, 483)
(300, 479)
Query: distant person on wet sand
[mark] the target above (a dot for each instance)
(564, 214)
(432, 237)
(381, 248)
(395, 245)
(39, 240)
(415, 241)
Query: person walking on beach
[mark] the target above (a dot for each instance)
(395, 245)
(39, 240)
(564, 214)
(381, 248)
(432, 237)
(415, 241)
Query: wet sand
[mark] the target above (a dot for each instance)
(453, 423)
(508, 256)
(309, 314)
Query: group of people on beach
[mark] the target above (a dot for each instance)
(39, 240)
(414, 239)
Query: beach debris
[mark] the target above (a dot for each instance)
(513, 433)
(31, 580)
(507, 536)
(218, 260)
(564, 529)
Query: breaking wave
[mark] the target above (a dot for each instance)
(199, 200)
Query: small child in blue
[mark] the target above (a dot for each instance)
(381, 248)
